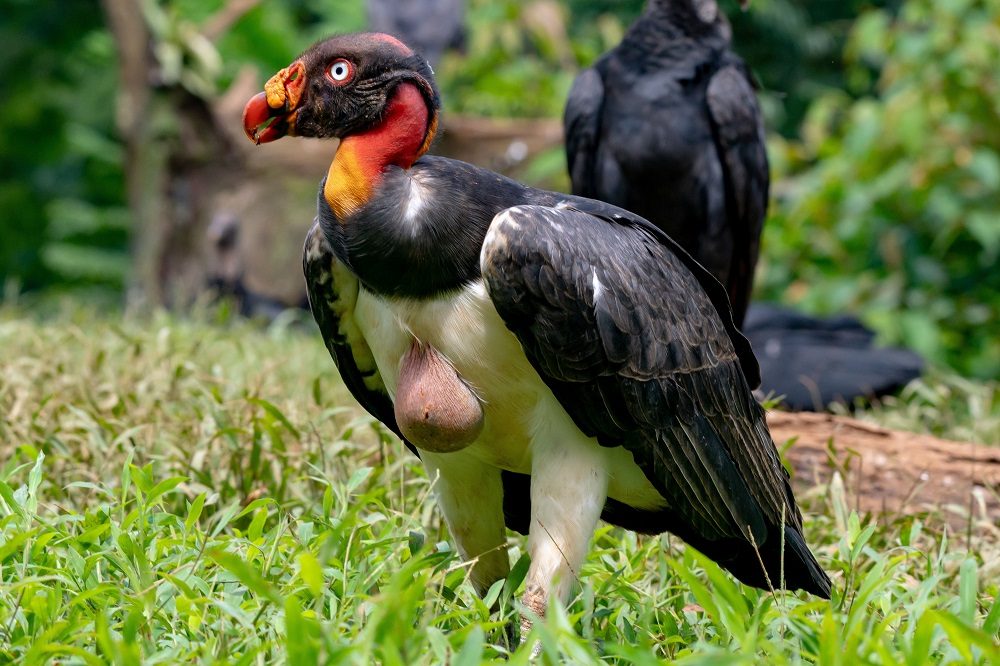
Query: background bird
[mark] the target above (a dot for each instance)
(430, 27)
(667, 125)
(551, 359)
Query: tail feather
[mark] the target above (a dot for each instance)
(797, 570)
(802, 571)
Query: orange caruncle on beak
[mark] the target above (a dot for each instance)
(284, 89)
(270, 115)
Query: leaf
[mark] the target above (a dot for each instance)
(985, 228)
(225, 517)
(164, 487)
(276, 414)
(357, 478)
(963, 637)
(922, 636)
(967, 587)
(310, 572)
(126, 477)
(194, 512)
(861, 540)
(250, 577)
(317, 392)
(140, 478)
(254, 505)
(700, 591)
(985, 166)
(516, 576)
(493, 593)
(298, 634)
(256, 527)
(183, 587)
(7, 493)
(471, 653)
(35, 475)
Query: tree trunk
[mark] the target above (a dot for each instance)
(144, 163)
(177, 161)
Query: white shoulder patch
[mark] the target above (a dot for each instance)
(416, 201)
(504, 222)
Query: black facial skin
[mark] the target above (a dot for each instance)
(330, 109)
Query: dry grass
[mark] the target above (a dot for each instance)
(185, 491)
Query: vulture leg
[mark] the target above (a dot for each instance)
(569, 482)
(470, 494)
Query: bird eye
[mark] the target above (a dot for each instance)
(340, 70)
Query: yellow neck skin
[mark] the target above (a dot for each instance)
(348, 185)
(402, 137)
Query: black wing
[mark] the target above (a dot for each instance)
(333, 291)
(705, 279)
(582, 127)
(637, 354)
(814, 361)
(739, 138)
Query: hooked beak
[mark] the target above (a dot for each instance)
(270, 115)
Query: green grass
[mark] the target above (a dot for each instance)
(176, 491)
(944, 405)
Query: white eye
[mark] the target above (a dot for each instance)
(340, 70)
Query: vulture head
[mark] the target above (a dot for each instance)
(344, 86)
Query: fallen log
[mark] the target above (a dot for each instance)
(891, 471)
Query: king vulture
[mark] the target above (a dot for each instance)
(552, 360)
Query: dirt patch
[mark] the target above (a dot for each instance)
(889, 470)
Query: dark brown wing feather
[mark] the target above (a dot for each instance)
(582, 126)
(639, 357)
(332, 291)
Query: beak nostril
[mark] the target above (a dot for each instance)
(295, 83)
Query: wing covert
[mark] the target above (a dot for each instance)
(333, 291)
(635, 351)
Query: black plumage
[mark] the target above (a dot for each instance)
(667, 125)
(645, 361)
(811, 362)
(655, 365)
(613, 380)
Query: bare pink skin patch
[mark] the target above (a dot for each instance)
(382, 37)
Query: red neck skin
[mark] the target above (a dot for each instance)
(398, 140)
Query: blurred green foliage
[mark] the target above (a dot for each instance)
(61, 189)
(890, 204)
(885, 149)
(796, 49)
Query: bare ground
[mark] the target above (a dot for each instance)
(890, 471)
